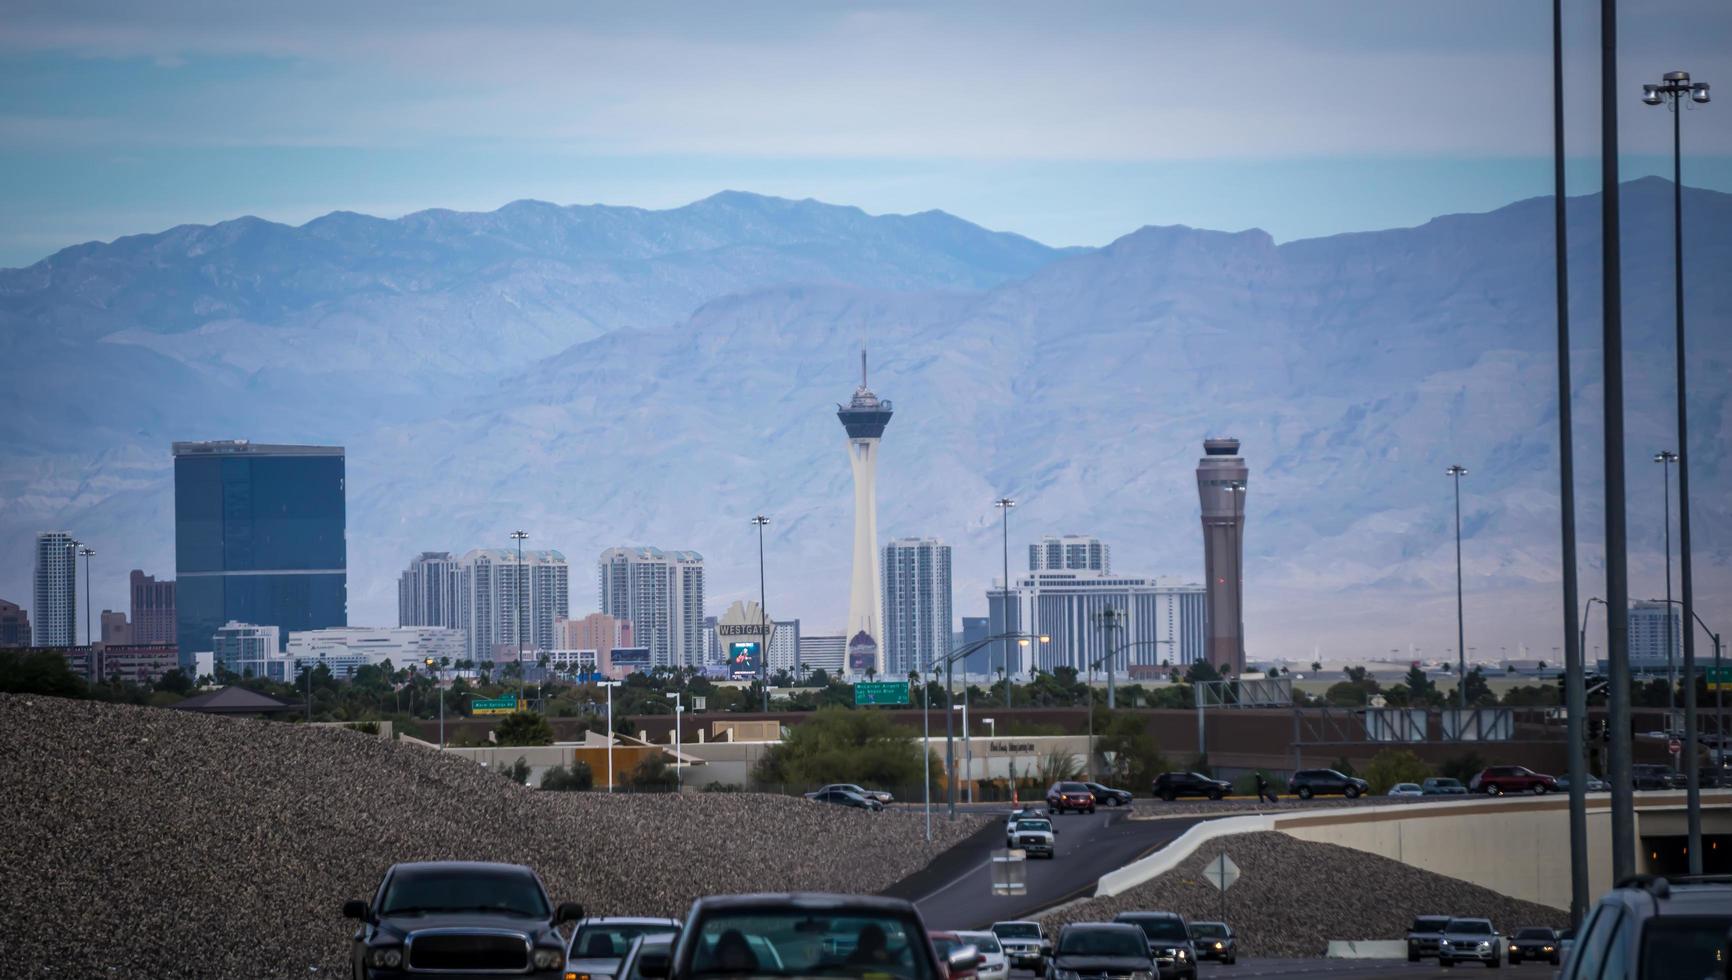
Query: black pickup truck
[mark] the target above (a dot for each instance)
(459, 919)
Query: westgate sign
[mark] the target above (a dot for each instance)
(1010, 746)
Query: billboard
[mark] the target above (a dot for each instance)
(862, 653)
(743, 659)
(632, 658)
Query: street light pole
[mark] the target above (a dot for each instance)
(1575, 697)
(763, 623)
(610, 685)
(949, 665)
(1456, 472)
(1004, 504)
(1672, 89)
(518, 536)
(679, 762)
(926, 749)
(1666, 458)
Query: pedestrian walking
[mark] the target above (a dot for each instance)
(1263, 791)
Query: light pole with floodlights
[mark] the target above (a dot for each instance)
(1671, 91)
(679, 763)
(1004, 504)
(1456, 472)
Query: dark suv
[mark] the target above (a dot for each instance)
(1645, 776)
(1169, 939)
(1498, 780)
(1651, 928)
(458, 918)
(1170, 786)
(1107, 796)
(1307, 783)
(1100, 949)
(1423, 935)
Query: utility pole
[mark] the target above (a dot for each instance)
(518, 536)
(1456, 473)
(763, 623)
(1004, 504)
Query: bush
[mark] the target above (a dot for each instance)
(724, 788)
(653, 775)
(39, 672)
(1136, 759)
(1056, 766)
(517, 772)
(524, 728)
(364, 727)
(577, 779)
(844, 745)
(1393, 766)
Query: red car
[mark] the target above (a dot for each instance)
(1498, 780)
(1076, 797)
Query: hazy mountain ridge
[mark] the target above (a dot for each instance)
(1354, 368)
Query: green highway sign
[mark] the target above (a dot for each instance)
(1718, 679)
(881, 692)
(493, 706)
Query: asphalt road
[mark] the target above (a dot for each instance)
(1358, 969)
(1089, 846)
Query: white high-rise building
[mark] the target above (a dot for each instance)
(1070, 553)
(497, 597)
(917, 596)
(662, 594)
(56, 590)
(864, 418)
(343, 649)
(429, 592)
(249, 650)
(825, 653)
(1159, 621)
(1654, 632)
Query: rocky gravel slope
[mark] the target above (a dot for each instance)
(156, 843)
(1294, 896)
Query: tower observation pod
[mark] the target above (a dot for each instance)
(864, 418)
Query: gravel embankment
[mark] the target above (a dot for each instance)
(1294, 896)
(161, 844)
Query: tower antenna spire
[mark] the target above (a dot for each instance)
(862, 363)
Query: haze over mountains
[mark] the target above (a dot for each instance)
(603, 376)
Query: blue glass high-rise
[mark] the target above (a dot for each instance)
(259, 538)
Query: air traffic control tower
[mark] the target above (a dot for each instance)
(864, 417)
(1221, 485)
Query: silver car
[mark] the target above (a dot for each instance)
(598, 945)
(1470, 941)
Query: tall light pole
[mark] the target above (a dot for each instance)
(1666, 458)
(948, 664)
(925, 746)
(1004, 504)
(1671, 91)
(1612, 409)
(610, 685)
(519, 536)
(432, 667)
(679, 761)
(1692, 778)
(760, 522)
(1456, 472)
(1575, 696)
(1111, 619)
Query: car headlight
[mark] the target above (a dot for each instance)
(385, 957)
(1484, 946)
(547, 957)
(1443, 942)
(1181, 954)
(1220, 946)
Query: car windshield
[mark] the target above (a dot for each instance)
(1072, 788)
(1208, 930)
(1100, 942)
(651, 944)
(1017, 930)
(1429, 923)
(986, 942)
(1161, 928)
(421, 891)
(602, 939)
(1684, 945)
(1469, 927)
(805, 942)
(1534, 934)
(1034, 825)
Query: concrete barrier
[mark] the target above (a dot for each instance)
(1168, 857)
(1367, 949)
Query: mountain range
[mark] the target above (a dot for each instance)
(603, 375)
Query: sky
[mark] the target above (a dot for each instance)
(1073, 124)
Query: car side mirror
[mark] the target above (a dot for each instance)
(567, 912)
(654, 963)
(963, 959)
(354, 908)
